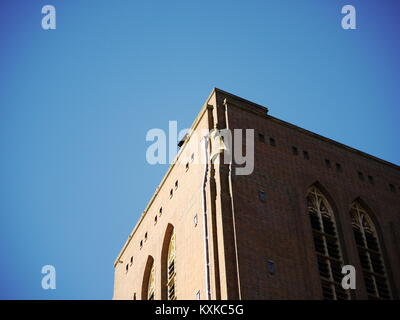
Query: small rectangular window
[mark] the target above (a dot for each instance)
(261, 137)
(295, 151)
(160, 211)
(306, 155)
(261, 196)
(192, 157)
(176, 184)
(171, 193)
(392, 187)
(371, 179)
(338, 167)
(328, 163)
(187, 166)
(272, 142)
(360, 175)
(271, 267)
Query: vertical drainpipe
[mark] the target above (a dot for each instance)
(232, 205)
(205, 141)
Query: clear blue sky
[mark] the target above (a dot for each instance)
(76, 103)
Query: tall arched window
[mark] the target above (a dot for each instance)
(370, 253)
(151, 285)
(171, 269)
(327, 246)
(148, 282)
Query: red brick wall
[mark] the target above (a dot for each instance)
(279, 229)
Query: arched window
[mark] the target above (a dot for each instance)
(370, 253)
(171, 269)
(151, 286)
(327, 246)
(168, 265)
(148, 282)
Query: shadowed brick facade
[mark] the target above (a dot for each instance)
(260, 239)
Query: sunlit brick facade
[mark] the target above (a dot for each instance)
(310, 206)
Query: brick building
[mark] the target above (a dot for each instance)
(310, 206)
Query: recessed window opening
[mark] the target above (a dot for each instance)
(271, 266)
(371, 179)
(328, 163)
(261, 195)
